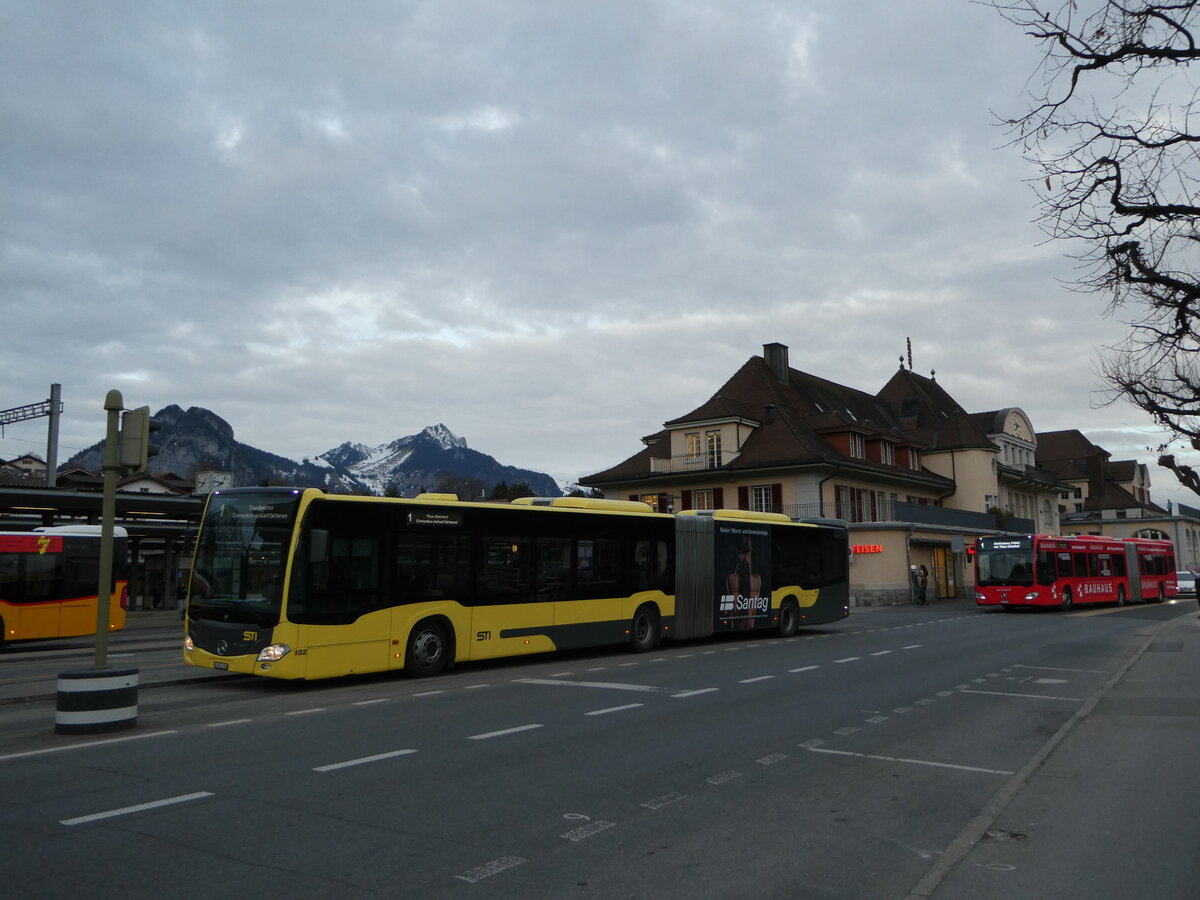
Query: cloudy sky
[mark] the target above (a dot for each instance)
(550, 226)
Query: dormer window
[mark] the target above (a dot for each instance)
(858, 446)
(914, 459)
(887, 453)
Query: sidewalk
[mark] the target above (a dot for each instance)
(1112, 794)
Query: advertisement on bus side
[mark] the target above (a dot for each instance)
(743, 577)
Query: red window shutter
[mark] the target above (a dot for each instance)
(685, 499)
(777, 497)
(718, 498)
(743, 498)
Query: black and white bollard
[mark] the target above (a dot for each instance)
(96, 700)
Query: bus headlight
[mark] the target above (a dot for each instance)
(1031, 596)
(273, 653)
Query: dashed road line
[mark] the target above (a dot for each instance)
(503, 732)
(613, 709)
(363, 760)
(140, 807)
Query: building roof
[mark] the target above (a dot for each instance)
(794, 416)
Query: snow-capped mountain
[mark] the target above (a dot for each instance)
(406, 466)
(199, 440)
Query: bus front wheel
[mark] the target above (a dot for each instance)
(1066, 598)
(789, 618)
(643, 630)
(428, 650)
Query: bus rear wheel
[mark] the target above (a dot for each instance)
(643, 630)
(1121, 601)
(1066, 598)
(789, 618)
(428, 650)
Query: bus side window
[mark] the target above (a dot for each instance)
(597, 568)
(504, 575)
(554, 576)
(650, 568)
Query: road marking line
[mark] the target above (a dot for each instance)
(369, 702)
(722, 777)
(361, 760)
(305, 712)
(428, 693)
(613, 709)
(756, 678)
(124, 811)
(227, 722)
(133, 737)
(502, 732)
(913, 647)
(664, 800)
(881, 652)
(914, 762)
(1027, 696)
(804, 669)
(605, 685)
(847, 659)
(693, 693)
(488, 869)
(586, 831)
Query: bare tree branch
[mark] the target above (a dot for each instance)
(1111, 130)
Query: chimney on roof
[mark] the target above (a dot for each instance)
(776, 356)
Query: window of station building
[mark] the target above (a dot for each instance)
(702, 499)
(712, 448)
(887, 453)
(858, 446)
(914, 459)
(663, 503)
(693, 445)
(760, 498)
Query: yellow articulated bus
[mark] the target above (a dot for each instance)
(49, 582)
(292, 583)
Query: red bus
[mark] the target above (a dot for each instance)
(1045, 570)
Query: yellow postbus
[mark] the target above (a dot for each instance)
(293, 583)
(49, 581)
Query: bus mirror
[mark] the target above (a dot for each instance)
(318, 547)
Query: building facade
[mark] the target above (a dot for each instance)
(916, 476)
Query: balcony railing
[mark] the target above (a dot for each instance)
(916, 513)
(693, 463)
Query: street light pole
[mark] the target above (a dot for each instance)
(111, 468)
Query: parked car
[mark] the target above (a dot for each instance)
(1187, 583)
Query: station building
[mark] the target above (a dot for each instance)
(916, 476)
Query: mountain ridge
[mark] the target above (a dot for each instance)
(197, 440)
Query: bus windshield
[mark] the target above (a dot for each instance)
(241, 554)
(1004, 562)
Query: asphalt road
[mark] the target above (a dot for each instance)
(937, 751)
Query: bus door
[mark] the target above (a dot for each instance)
(79, 585)
(583, 577)
(508, 617)
(35, 590)
(1134, 567)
